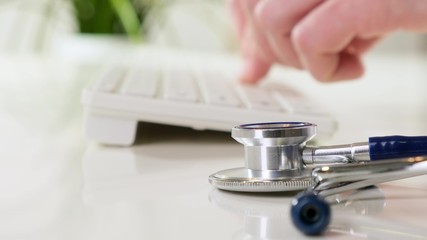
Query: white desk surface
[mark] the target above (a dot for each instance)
(56, 185)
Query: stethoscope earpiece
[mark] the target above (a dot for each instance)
(310, 213)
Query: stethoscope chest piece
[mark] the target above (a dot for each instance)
(273, 159)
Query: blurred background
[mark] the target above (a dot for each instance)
(30, 26)
(41, 26)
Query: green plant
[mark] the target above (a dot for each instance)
(112, 16)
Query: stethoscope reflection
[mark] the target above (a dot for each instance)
(365, 201)
(267, 216)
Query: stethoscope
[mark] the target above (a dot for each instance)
(277, 159)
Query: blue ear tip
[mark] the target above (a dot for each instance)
(310, 213)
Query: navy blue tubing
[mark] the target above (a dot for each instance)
(397, 147)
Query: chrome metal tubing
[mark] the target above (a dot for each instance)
(346, 153)
(339, 178)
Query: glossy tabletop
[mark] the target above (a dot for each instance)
(57, 185)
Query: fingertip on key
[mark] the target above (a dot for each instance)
(253, 70)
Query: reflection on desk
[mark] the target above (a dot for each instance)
(163, 155)
(267, 216)
(158, 189)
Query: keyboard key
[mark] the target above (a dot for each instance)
(296, 103)
(179, 85)
(217, 90)
(110, 79)
(258, 98)
(142, 82)
(283, 101)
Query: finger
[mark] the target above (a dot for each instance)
(254, 66)
(278, 17)
(254, 69)
(257, 55)
(359, 46)
(255, 33)
(319, 39)
(321, 36)
(408, 15)
(349, 67)
(238, 16)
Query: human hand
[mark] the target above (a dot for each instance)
(327, 38)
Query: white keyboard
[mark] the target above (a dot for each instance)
(190, 90)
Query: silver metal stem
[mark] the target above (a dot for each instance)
(346, 153)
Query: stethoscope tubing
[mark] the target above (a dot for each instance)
(311, 213)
